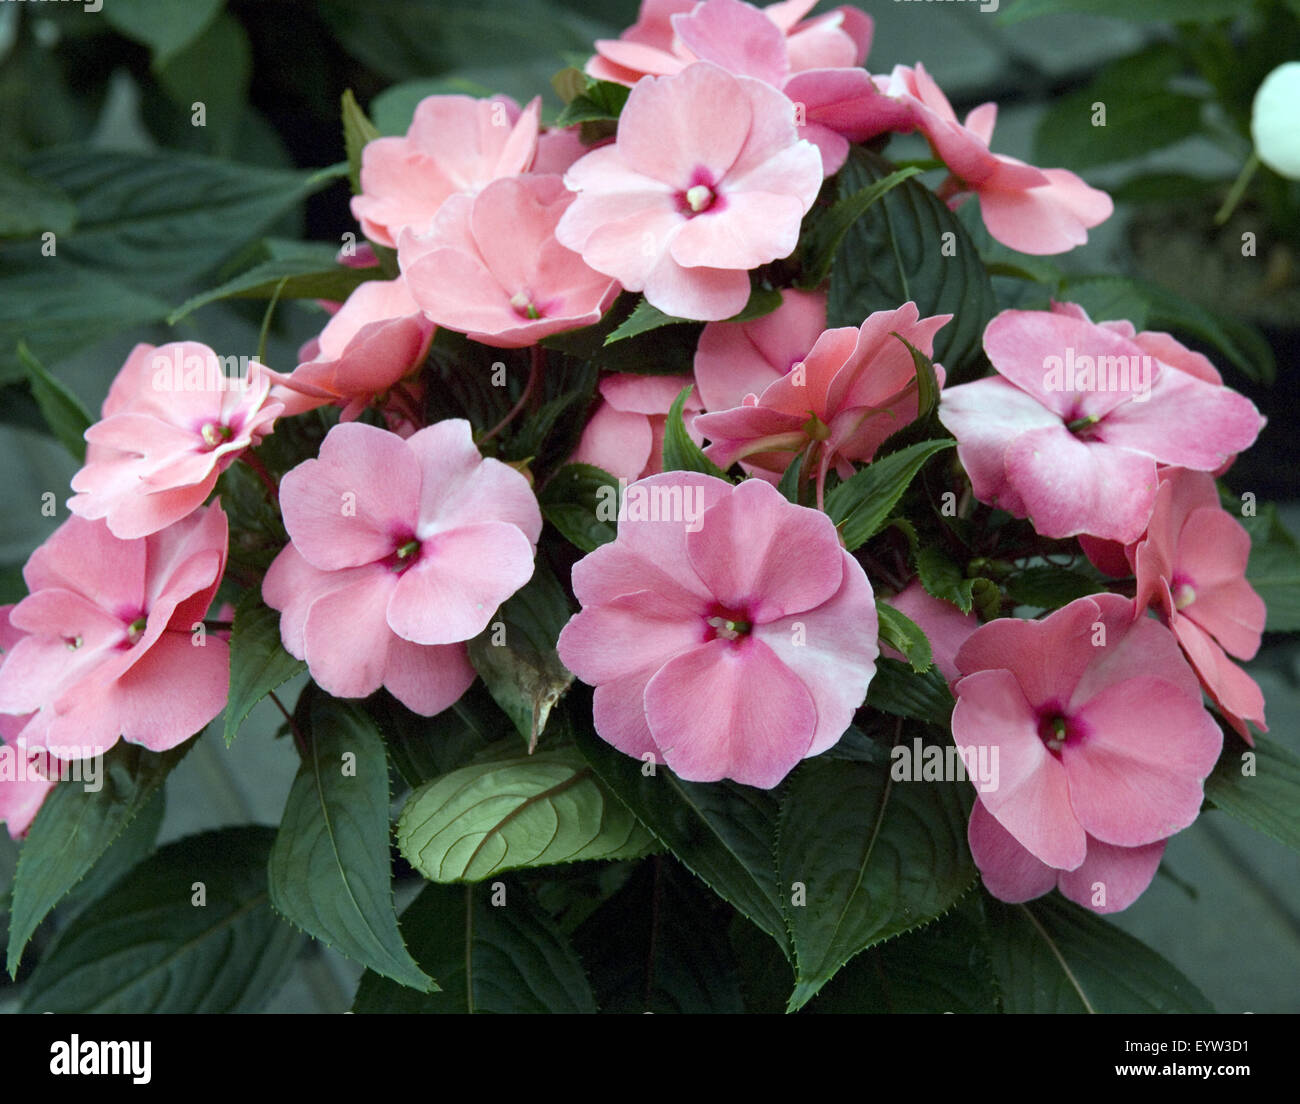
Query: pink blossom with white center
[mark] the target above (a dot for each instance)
(705, 181)
(111, 625)
(1071, 429)
(454, 144)
(816, 63)
(855, 387)
(726, 631)
(735, 359)
(375, 340)
(1098, 724)
(1191, 565)
(173, 422)
(1037, 211)
(491, 267)
(401, 551)
(625, 436)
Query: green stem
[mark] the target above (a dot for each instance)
(1238, 189)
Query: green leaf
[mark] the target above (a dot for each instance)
(538, 810)
(680, 452)
(789, 485)
(329, 868)
(1142, 114)
(29, 206)
(827, 231)
(897, 689)
(164, 28)
(314, 273)
(57, 308)
(1274, 569)
(62, 410)
(1050, 587)
(643, 318)
(927, 381)
(1149, 306)
(75, 827)
(258, 661)
(942, 578)
(136, 842)
(598, 100)
(515, 654)
(581, 501)
(875, 857)
(161, 218)
(357, 131)
(215, 70)
(507, 957)
(862, 504)
(1260, 787)
(723, 832)
(424, 748)
(942, 967)
(903, 634)
(147, 948)
(661, 945)
(1051, 956)
(899, 252)
(1149, 11)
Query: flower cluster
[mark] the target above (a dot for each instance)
(730, 625)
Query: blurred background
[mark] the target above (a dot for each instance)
(1226, 907)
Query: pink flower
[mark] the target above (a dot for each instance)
(625, 436)
(735, 359)
(815, 63)
(1070, 431)
(727, 632)
(1033, 210)
(377, 338)
(853, 389)
(1109, 879)
(1192, 566)
(706, 180)
(491, 267)
(173, 422)
(1097, 723)
(670, 34)
(454, 144)
(944, 625)
(401, 551)
(22, 791)
(114, 645)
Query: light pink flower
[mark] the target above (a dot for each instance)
(1036, 211)
(735, 359)
(944, 625)
(401, 551)
(1098, 725)
(1077, 452)
(173, 422)
(1109, 879)
(625, 436)
(454, 144)
(491, 267)
(114, 645)
(656, 45)
(705, 181)
(816, 63)
(853, 389)
(1191, 566)
(22, 792)
(377, 338)
(727, 632)
(558, 148)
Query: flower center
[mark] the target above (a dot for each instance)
(134, 630)
(404, 555)
(699, 197)
(728, 624)
(1082, 427)
(524, 306)
(72, 642)
(1184, 595)
(1054, 731)
(214, 434)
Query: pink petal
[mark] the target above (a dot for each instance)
(1009, 872)
(1121, 873)
(635, 632)
(426, 679)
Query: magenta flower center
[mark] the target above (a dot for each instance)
(1183, 592)
(1083, 427)
(214, 434)
(727, 624)
(700, 195)
(1054, 731)
(135, 629)
(524, 306)
(404, 554)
